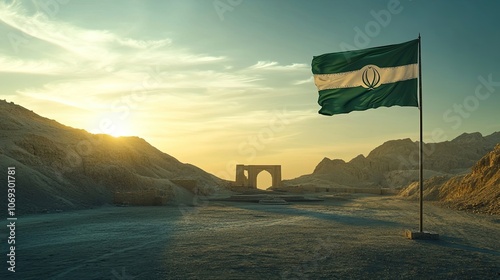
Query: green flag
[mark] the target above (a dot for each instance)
(369, 78)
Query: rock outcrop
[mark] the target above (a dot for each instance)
(394, 164)
(477, 191)
(59, 167)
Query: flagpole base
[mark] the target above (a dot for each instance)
(422, 235)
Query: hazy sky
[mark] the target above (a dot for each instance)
(214, 83)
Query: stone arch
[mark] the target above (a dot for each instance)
(253, 171)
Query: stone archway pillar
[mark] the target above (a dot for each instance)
(252, 176)
(241, 179)
(277, 176)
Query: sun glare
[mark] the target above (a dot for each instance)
(119, 131)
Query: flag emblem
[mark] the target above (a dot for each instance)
(371, 76)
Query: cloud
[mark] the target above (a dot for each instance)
(45, 67)
(306, 81)
(103, 63)
(94, 68)
(274, 66)
(101, 47)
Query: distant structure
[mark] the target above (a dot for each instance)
(246, 175)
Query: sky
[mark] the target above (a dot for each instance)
(222, 82)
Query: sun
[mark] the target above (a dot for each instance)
(119, 131)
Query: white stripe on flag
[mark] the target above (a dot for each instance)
(351, 79)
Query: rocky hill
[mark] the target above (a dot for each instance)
(59, 167)
(394, 164)
(477, 191)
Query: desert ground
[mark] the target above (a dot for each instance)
(346, 236)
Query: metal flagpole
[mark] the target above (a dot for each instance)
(421, 143)
(420, 234)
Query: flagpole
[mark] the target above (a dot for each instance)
(420, 234)
(421, 143)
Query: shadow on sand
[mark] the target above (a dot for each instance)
(354, 220)
(457, 243)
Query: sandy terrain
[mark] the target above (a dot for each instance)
(343, 237)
